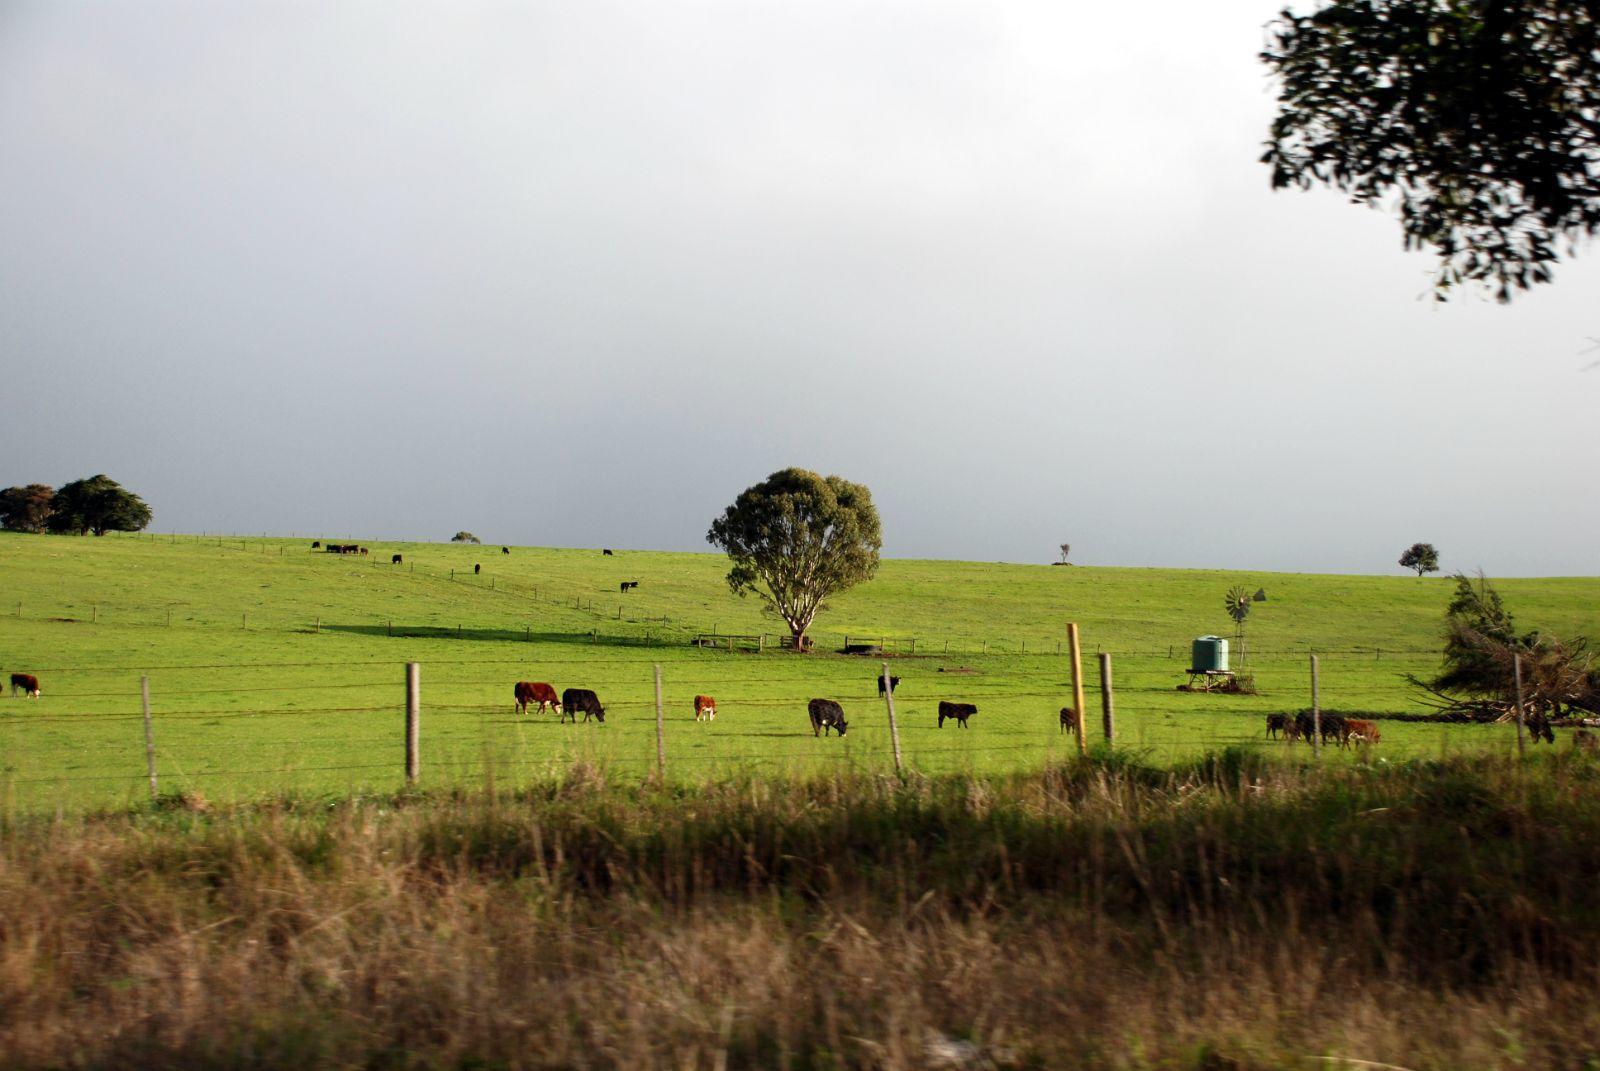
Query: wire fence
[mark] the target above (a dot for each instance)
(221, 729)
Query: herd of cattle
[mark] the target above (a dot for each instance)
(1341, 730)
(826, 714)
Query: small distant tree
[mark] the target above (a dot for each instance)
(25, 509)
(1421, 557)
(1066, 549)
(465, 537)
(97, 504)
(797, 538)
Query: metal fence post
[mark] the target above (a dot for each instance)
(1076, 655)
(661, 730)
(894, 727)
(149, 736)
(1316, 709)
(1106, 713)
(413, 721)
(1516, 670)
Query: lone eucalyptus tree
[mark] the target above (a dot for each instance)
(797, 538)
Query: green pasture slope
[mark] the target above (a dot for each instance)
(273, 667)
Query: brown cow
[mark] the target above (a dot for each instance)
(705, 708)
(530, 692)
(1069, 721)
(26, 683)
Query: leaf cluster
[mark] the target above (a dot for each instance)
(1480, 117)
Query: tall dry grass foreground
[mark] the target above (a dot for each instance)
(1233, 914)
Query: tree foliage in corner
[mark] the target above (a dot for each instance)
(1481, 118)
(1422, 557)
(26, 509)
(797, 538)
(97, 504)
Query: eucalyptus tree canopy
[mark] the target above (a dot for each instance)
(97, 504)
(1479, 119)
(795, 539)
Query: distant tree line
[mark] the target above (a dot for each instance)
(95, 504)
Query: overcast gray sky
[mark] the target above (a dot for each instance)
(577, 273)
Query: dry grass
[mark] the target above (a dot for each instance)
(1095, 916)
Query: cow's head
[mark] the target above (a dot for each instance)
(600, 714)
(558, 706)
(841, 725)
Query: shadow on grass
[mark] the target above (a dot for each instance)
(502, 635)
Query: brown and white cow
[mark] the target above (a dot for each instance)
(705, 708)
(530, 692)
(26, 683)
(1362, 731)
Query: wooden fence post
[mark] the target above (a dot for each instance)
(149, 735)
(94, 618)
(894, 728)
(1316, 709)
(413, 721)
(1076, 656)
(244, 621)
(661, 731)
(1108, 717)
(1516, 670)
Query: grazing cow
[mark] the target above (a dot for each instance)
(530, 692)
(363, 551)
(505, 550)
(396, 560)
(623, 587)
(576, 699)
(316, 544)
(959, 711)
(607, 553)
(1069, 720)
(1277, 723)
(893, 683)
(26, 683)
(705, 708)
(825, 715)
(476, 569)
(1357, 729)
(1333, 726)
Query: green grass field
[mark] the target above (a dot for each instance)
(274, 668)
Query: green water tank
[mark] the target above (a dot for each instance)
(1210, 653)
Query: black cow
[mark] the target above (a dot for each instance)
(825, 715)
(396, 560)
(576, 699)
(316, 544)
(476, 569)
(623, 587)
(894, 682)
(607, 553)
(1069, 720)
(628, 585)
(1277, 723)
(505, 550)
(959, 711)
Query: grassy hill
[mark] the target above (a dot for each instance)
(273, 666)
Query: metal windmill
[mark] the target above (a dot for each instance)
(1238, 602)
